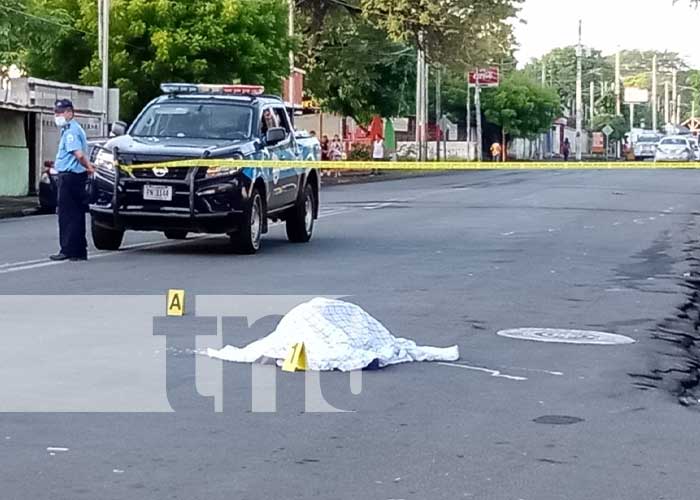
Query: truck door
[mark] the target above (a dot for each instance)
(287, 150)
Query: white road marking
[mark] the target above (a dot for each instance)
(11, 267)
(24, 266)
(493, 373)
(21, 263)
(535, 370)
(53, 448)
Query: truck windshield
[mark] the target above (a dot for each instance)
(195, 120)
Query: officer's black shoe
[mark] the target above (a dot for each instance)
(77, 259)
(58, 257)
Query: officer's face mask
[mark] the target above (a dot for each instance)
(60, 121)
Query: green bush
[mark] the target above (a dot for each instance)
(360, 152)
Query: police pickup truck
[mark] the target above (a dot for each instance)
(205, 123)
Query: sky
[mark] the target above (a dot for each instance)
(607, 24)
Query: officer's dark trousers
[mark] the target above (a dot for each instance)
(72, 204)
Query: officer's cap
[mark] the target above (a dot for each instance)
(62, 105)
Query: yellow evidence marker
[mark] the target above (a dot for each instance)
(296, 359)
(176, 303)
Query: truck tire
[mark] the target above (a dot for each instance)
(300, 221)
(175, 234)
(105, 238)
(247, 239)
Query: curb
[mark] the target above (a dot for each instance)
(25, 212)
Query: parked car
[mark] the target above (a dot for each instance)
(676, 148)
(645, 146)
(207, 122)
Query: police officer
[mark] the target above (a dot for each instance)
(73, 167)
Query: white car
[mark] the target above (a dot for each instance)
(677, 148)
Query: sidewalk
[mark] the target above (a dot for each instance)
(18, 206)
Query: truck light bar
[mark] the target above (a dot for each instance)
(190, 88)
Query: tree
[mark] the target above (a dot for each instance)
(456, 33)
(21, 29)
(619, 125)
(521, 106)
(352, 67)
(560, 71)
(153, 41)
(693, 80)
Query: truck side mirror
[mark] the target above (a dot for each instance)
(275, 135)
(118, 128)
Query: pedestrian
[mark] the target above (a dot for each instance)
(377, 152)
(566, 149)
(336, 149)
(378, 149)
(496, 151)
(73, 167)
(325, 148)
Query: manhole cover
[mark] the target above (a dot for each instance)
(566, 336)
(557, 420)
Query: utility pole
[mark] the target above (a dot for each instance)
(419, 105)
(667, 107)
(469, 115)
(618, 78)
(592, 103)
(579, 96)
(678, 109)
(477, 105)
(544, 72)
(631, 116)
(674, 96)
(654, 98)
(290, 27)
(426, 106)
(438, 112)
(105, 65)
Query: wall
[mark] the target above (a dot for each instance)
(14, 154)
(326, 124)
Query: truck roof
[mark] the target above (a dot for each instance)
(242, 99)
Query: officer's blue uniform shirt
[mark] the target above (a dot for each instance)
(73, 138)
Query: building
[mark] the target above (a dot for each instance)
(28, 135)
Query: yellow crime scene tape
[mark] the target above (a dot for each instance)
(414, 165)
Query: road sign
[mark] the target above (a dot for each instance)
(634, 95)
(607, 130)
(485, 77)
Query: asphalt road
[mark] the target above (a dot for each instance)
(448, 259)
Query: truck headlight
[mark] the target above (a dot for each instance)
(104, 159)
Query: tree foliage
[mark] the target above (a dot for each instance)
(619, 125)
(460, 33)
(353, 68)
(153, 41)
(560, 71)
(521, 106)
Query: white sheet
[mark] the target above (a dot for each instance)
(337, 335)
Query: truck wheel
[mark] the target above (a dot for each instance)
(300, 222)
(105, 238)
(247, 239)
(175, 234)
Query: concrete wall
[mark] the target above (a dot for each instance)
(14, 154)
(326, 124)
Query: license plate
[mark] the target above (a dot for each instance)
(158, 193)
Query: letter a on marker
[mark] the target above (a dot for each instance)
(176, 303)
